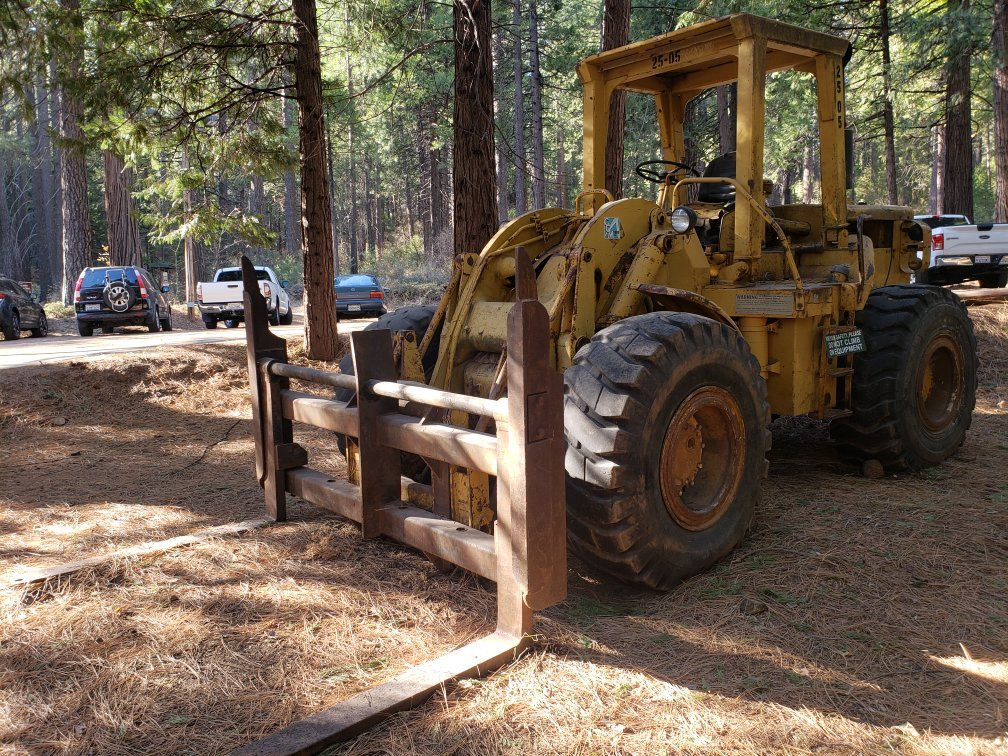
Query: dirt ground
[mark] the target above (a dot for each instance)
(859, 615)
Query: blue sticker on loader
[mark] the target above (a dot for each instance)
(612, 229)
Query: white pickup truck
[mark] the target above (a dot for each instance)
(961, 251)
(222, 299)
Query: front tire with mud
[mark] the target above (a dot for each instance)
(915, 385)
(667, 426)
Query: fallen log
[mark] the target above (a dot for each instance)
(975, 297)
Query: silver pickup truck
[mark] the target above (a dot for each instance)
(962, 251)
(222, 299)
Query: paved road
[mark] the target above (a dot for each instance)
(29, 351)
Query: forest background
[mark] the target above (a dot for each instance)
(133, 130)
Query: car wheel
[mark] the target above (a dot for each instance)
(231, 323)
(107, 329)
(274, 317)
(288, 317)
(166, 324)
(42, 329)
(13, 330)
(84, 329)
(154, 321)
(210, 323)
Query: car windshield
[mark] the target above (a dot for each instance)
(355, 280)
(235, 275)
(97, 276)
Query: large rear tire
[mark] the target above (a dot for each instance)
(667, 426)
(915, 385)
(416, 319)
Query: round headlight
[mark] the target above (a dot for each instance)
(682, 219)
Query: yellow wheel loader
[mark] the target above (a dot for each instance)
(685, 322)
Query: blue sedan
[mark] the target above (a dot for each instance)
(359, 294)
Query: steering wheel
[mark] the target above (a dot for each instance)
(646, 170)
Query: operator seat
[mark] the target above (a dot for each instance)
(722, 194)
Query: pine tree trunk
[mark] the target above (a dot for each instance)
(787, 180)
(521, 164)
(120, 213)
(292, 239)
(727, 116)
(425, 198)
(380, 211)
(561, 168)
(499, 156)
(615, 33)
(330, 177)
(808, 176)
(257, 196)
(1000, 47)
(958, 175)
(437, 196)
(56, 251)
(354, 241)
(938, 171)
(256, 189)
(9, 252)
(316, 224)
(892, 193)
(189, 265)
(369, 235)
(474, 173)
(538, 158)
(73, 182)
(191, 249)
(410, 200)
(42, 188)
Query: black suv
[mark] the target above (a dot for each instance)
(20, 312)
(117, 296)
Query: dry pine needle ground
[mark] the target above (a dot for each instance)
(859, 616)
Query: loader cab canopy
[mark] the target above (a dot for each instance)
(678, 66)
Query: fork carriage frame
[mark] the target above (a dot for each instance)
(526, 553)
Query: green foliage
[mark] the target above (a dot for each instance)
(191, 94)
(55, 310)
(289, 269)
